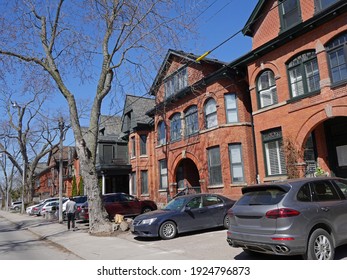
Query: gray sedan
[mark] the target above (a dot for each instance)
(183, 214)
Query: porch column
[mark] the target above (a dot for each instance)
(103, 184)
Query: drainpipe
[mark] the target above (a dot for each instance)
(255, 151)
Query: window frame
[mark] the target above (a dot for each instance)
(143, 144)
(162, 174)
(318, 6)
(270, 90)
(133, 147)
(175, 127)
(214, 167)
(236, 164)
(191, 121)
(284, 19)
(161, 131)
(231, 109)
(333, 46)
(176, 81)
(211, 118)
(144, 181)
(274, 136)
(300, 62)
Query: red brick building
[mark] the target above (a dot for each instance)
(297, 75)
(200, 133)
(47, 174)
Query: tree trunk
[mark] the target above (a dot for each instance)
(98, 225)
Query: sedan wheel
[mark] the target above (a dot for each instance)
(146, 209)
(226, 221)
(320, 246)
(168, 230)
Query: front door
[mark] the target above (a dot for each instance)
(336, 137)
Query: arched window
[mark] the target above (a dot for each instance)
(337, 56)
(267, 91)
(175, 127)
(191, 120)
(161, 133)
(303, 74)
(211, 113)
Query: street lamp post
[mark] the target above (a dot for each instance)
(15, 105)
(61, 129)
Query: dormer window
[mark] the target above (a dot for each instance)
(289, 13)
(176, 82)
(323, 4)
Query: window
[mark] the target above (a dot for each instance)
(143, 144)
(107, 153)
(236, 165)
(163, 174)
(289, 13)
(231, 108)
(191, 121)
(303, 74)
(324, 190)
(133, 147)
(274, 154)
(323, 4)
(267, 91)
(214, 166)
(176, 82)
(211, 113)
(161, 133)
(144, 182)
(337, 56)
(133, 183)
(175, 127)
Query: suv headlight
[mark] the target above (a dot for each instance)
(148, 221)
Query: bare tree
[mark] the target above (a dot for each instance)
(106, 39)
(31, 134)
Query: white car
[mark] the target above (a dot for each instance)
(48, 207)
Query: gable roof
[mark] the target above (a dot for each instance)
(186, 57)
(247, 29)
(138, 106)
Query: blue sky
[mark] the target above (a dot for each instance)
(219, 21)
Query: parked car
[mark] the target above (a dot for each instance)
(79, 201)
(51, 206)
(120, 203)
(184, 214)
(305, 217)
(36, 210)
(29, 210)
(83, 213)
(16, 206)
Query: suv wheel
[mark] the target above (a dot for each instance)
(320, 246)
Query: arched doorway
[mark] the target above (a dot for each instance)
(336, 140)
(187, 175)
(327, 145)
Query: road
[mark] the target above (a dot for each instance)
(17, 243)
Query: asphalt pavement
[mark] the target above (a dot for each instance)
(124, 246)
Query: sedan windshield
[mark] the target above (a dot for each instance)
(175, 204)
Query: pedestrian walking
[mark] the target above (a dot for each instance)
(70, 212)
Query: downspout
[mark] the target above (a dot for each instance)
(255, 151)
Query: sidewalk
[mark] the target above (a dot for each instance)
(87, 247)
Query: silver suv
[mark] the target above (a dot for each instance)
(305, 217)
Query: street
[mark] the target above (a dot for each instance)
(20, 239)
(18, 243)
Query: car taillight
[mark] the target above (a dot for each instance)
(78, 208)
(281, 213)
